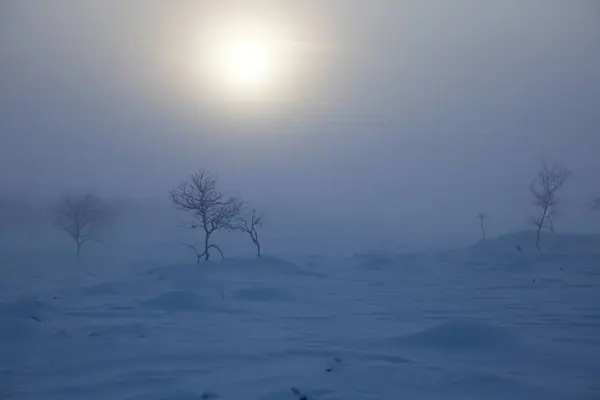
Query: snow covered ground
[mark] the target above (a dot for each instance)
(456, 325)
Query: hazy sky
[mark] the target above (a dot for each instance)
(401, 119)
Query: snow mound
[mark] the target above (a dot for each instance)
(267, 265)
(262, 294)
(463, 335)
(230, 267)
(550, 244)
(177, 300)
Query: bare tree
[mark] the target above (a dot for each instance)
(82, 217)
(211, 209)
(250, 226)
(482, 217)
(544, 189)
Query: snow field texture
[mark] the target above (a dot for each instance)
(467, 324)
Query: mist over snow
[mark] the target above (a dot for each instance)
(414, 116)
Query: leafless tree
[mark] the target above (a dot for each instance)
(482, 217)
(595, 204)
(82, 217)
(211, 209)
(250, 225)
(544, 189)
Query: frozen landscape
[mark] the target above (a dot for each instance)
(483, 322)
(299, 200)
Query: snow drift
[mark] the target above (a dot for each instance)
(463, 335)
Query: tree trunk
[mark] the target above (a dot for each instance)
(482, 230)
(254, 237)
(206, 252)
(539, 228)
(79, 244)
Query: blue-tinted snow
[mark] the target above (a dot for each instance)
(485, 322)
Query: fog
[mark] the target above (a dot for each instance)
(402, 120)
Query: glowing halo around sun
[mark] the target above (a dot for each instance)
(246, 61)
(245, 64)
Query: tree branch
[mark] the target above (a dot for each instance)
(214, 246)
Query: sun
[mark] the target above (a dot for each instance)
(244, 67)
(247, 64)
